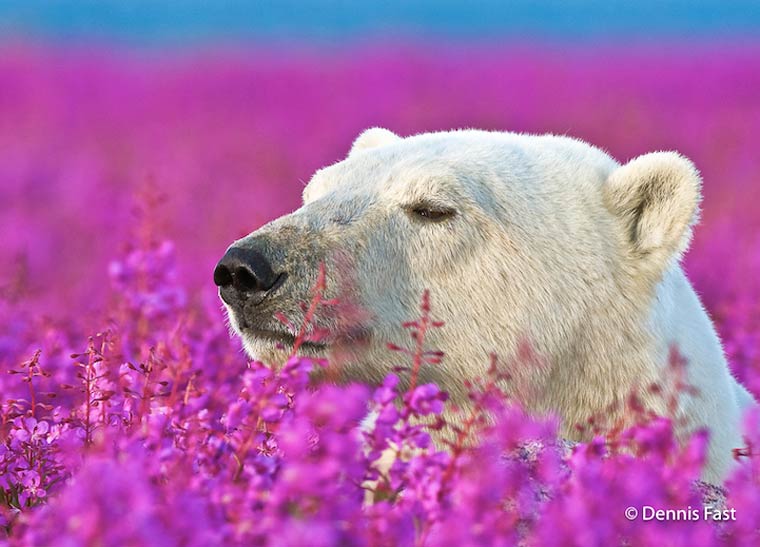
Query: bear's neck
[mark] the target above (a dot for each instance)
(634, 361)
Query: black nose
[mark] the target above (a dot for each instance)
(246, 271)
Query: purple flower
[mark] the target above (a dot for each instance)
(427, 399)
(387, 391)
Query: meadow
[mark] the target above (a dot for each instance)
(130, 417)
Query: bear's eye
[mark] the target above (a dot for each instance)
(429, 212)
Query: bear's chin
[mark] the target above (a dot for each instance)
(276, 350)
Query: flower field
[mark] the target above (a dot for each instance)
(130, 417)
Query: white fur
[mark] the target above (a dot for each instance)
(552, 242)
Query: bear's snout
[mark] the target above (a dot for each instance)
(265, 275)
(244, 274)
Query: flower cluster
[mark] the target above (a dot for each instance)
(189, 444)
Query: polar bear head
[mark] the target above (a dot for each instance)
(543, 239)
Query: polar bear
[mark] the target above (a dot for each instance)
(518, 237)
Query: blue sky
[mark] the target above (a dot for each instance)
(192, 21)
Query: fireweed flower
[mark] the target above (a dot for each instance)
(160, 433)
(427, 399)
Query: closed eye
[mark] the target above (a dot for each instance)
(431, 213)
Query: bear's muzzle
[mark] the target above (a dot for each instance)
(245, 274)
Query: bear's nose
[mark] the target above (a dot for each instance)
(244, 270)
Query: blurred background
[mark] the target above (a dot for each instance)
(193, 22)
(226, 108)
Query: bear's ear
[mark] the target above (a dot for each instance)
(656, 198)
(372, 138)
